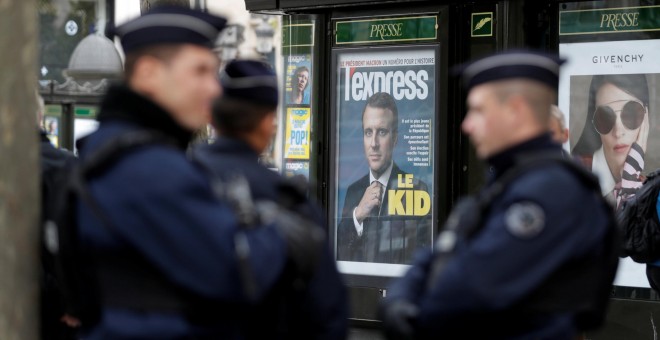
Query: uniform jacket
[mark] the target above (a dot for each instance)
(542, 221)
(385, 238)
(167, 222)
(317, 311)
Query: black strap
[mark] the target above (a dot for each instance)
(110, 152)
(103, 159)
(524, 164)
(235, 190)
(552, 295)
(527, 162)
(466, 220)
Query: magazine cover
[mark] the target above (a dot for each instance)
(297, 84)
(384, 163)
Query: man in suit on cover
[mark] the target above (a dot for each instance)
(379, 223)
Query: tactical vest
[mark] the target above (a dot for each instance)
(122, 278)
(582, 286)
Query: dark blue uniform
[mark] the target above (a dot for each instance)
(315, 311)
(166, 221)
(53, 160)
(544, 220)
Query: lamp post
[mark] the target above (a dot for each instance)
(265, 33)
(227, 44)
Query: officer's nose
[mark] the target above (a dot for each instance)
(220, 89)
(466, 126)
(213, 87)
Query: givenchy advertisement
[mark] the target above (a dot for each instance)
(608, 92)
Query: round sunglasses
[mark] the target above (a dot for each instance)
(632, 116)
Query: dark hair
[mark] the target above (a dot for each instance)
(383, 100)
(634, 84)
(235, 117)
(294, 79)
(164, 52)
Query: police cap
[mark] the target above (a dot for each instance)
(250, 80)
(169, 25)
(541, 67)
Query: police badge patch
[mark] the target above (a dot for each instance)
(525, 219)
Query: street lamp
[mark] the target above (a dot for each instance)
(228, 41)
(265, 33)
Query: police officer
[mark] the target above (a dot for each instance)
(244, 117)
(171, 259)
(55, 324)
(532, 256)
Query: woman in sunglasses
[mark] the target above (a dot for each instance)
(613, 142)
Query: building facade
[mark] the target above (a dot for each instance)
(334, 56)
(351, 51)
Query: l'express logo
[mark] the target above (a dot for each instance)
(619, 20)
(383, 31)
(400, 84)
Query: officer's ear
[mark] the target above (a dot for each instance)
(146, 74)
(266, 129)
(519, 108)
(268, 122)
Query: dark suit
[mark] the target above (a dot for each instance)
(385, 238)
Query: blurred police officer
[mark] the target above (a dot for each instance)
(244, 117)
(55, 324)
(166, 250)
(532, 256)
